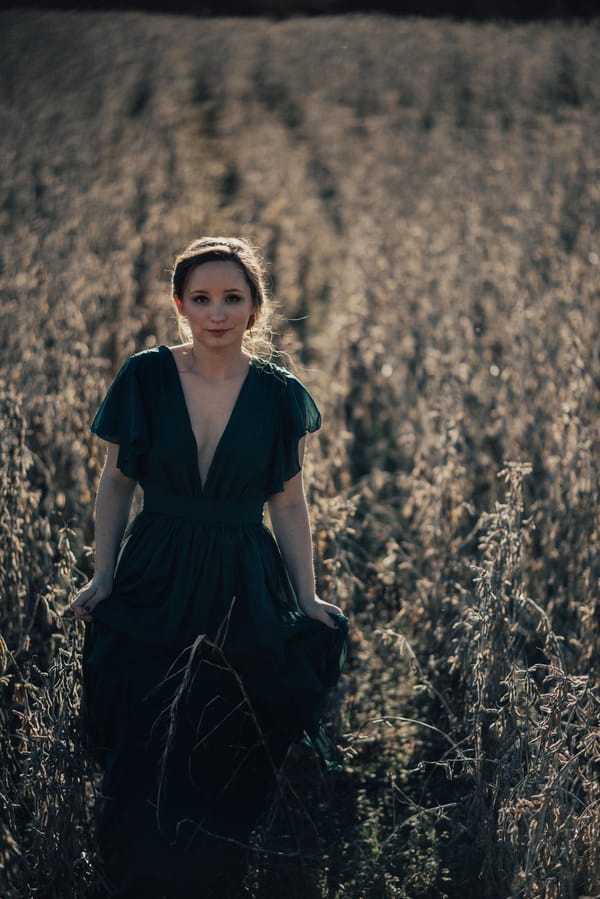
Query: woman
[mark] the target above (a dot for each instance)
(207, 649)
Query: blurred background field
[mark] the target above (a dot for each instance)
(428, 195)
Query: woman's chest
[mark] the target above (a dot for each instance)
(209, 411)
(218, 435)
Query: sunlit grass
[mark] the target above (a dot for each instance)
(428, 194)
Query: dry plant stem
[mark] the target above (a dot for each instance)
(192, 669)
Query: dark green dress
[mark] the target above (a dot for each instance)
(200, 669)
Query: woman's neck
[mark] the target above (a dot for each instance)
(216, 366)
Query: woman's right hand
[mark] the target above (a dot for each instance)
(94, 592)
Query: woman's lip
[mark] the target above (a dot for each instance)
(217, 330)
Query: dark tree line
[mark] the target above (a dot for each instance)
(479, 10)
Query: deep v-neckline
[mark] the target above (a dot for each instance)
(190, 427)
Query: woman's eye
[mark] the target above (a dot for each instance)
(233, 298)
(200, 299)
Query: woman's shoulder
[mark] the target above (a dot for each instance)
(298, 407)
(139, 372)
(147, 359)
(277, 373)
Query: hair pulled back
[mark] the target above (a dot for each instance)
(257, 339)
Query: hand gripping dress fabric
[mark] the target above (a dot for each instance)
(200, 669)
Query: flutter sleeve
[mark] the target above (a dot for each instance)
(123, 419)
(299, 415)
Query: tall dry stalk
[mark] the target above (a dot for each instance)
(45, 782)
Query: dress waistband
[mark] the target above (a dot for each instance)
(200, 508)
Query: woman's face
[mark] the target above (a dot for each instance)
(217, 303)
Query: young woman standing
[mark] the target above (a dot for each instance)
(207, 649)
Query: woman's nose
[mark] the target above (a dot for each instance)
(218, 312)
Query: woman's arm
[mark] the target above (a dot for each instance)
(291, 525)
(113, 503)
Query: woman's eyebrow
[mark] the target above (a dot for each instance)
(226, 290)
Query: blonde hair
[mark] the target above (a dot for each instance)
(257, 340)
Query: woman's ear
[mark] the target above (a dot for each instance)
(178, 303)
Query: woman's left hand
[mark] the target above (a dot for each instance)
(320, 610)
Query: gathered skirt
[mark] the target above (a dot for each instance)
(191, 751)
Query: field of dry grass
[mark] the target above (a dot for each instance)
(428, 194)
